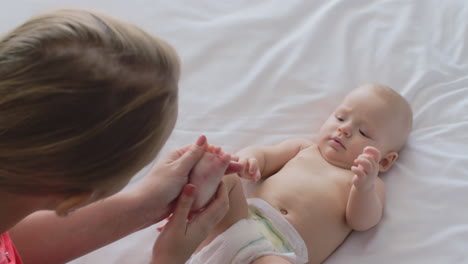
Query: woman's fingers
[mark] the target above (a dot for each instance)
(214, 212)
(182, 210)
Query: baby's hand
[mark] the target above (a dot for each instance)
(366, 168)
(250, 168)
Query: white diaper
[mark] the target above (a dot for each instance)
(265, 232)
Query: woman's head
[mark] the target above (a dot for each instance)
(85, 102)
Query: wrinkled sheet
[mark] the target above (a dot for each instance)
(258, 72)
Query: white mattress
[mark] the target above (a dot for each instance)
(258, 72)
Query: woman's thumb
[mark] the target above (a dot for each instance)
(193, 154)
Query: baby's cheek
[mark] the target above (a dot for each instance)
(355, 153)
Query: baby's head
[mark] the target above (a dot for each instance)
(85, 102)
(371, 115)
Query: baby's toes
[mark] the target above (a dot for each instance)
(217, 150)
(224, 158)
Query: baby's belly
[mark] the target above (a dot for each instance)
(316, 208)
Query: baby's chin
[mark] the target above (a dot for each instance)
(336, 160)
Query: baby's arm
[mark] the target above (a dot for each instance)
(367, 195)
(263, 161)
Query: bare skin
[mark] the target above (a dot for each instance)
(207, 175)
(319, 187)
(322, 189)
(329, 188)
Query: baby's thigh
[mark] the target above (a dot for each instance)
(271, 260)
(238, 208)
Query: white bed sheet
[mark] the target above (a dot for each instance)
(258, 72)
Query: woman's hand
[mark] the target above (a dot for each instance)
(159, 190)
(161, 187)
(180, 236)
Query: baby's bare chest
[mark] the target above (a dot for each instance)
(308, 181)
(311, 170)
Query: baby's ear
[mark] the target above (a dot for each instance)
(387, 161)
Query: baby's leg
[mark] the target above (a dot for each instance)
(207, 175)
(238, 208)
(271, 260)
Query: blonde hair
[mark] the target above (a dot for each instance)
(84, 99)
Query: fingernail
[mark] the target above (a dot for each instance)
(189, 190)
(201, 140)
(190, 216)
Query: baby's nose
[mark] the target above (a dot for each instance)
(345, 130)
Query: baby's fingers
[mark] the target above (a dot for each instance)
(359, 174)
(365, 163)
(374, 152)
(358, 170)
(373, 163)
(253, 166)
(253, 169)
(244, 172)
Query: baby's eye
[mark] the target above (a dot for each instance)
(363, 133)
(339, 118)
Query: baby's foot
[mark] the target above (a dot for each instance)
(207, 175)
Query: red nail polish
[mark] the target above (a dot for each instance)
(201, 140)
(189, 190)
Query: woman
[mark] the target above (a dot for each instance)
(86, 101)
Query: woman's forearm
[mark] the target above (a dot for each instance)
(46, 238)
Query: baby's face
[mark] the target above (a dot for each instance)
(364, 118)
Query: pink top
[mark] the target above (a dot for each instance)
(8, 252)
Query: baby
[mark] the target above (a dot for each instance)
(314, 194)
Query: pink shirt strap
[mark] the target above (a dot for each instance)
(8, 252)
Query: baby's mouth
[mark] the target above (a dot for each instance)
(337, 140)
